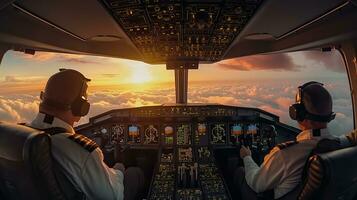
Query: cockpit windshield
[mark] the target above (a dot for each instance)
(267, 82)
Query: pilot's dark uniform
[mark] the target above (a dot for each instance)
(282, 167)
(82, 161)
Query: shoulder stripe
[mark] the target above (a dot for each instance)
(286, 144)
(85, 142)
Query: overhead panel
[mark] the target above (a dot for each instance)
(185, 30)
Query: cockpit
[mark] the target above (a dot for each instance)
(178, 87)
(186, 149)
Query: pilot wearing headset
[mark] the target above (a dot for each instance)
(282, 168)
(63, 103)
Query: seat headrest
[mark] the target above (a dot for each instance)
(15, 134)
(341, 172)
(332, 175)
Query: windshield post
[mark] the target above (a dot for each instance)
(181, 68)
(181, 85)
(349, 52)
(3, 50)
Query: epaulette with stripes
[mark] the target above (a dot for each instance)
(85, 142)
(286, 144)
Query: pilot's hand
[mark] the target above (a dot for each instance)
(352, 137)
(244, 151)
(119, 166)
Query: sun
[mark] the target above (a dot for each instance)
(140, 73)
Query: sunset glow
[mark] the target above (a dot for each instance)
(265, 82)
(140, 73)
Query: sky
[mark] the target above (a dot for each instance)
(268, 82)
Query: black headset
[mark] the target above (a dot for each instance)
(79, 107)
(298, 111)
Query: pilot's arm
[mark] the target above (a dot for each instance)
(268, 175)
(100, 181)
(349, 140)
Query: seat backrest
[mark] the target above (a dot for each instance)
(331, 175)
(26, 170)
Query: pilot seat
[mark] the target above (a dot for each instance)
(331, 175)
(27, 169)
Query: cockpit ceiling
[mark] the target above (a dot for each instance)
(157, 31)
(176, 29)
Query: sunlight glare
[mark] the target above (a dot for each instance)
(140, 73)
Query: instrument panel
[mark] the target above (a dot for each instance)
(185, 138)
(177, 125)
(190, 29)
(181, 134)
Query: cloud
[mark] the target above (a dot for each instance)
(65, 58)
(331, 60)
(22, 79)
(274, 97)
(10, 79)
(38, 56)
(278, 62)
(110, 75)
(284, 102)
(77, 60)
(20, 109)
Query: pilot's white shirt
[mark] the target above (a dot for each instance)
(282, 169)
(86, 169)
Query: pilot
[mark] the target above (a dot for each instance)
(282, 168)
(63, 103)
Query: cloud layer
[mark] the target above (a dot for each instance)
(274, 97)
(66, 58)
(261, 62)
(331, 61)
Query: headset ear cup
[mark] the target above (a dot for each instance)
(297, 112)
(76, 108)
(85, 108)
(80, 107)
(300, 112)
(293, 112)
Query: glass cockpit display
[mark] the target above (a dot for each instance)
(252, 135)
(236, 133)
(218, 134)
(252, 129)
(168, 135)
(183, 134)
(134, 134)
(201, 134)
(117, 134)
(151, 135)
